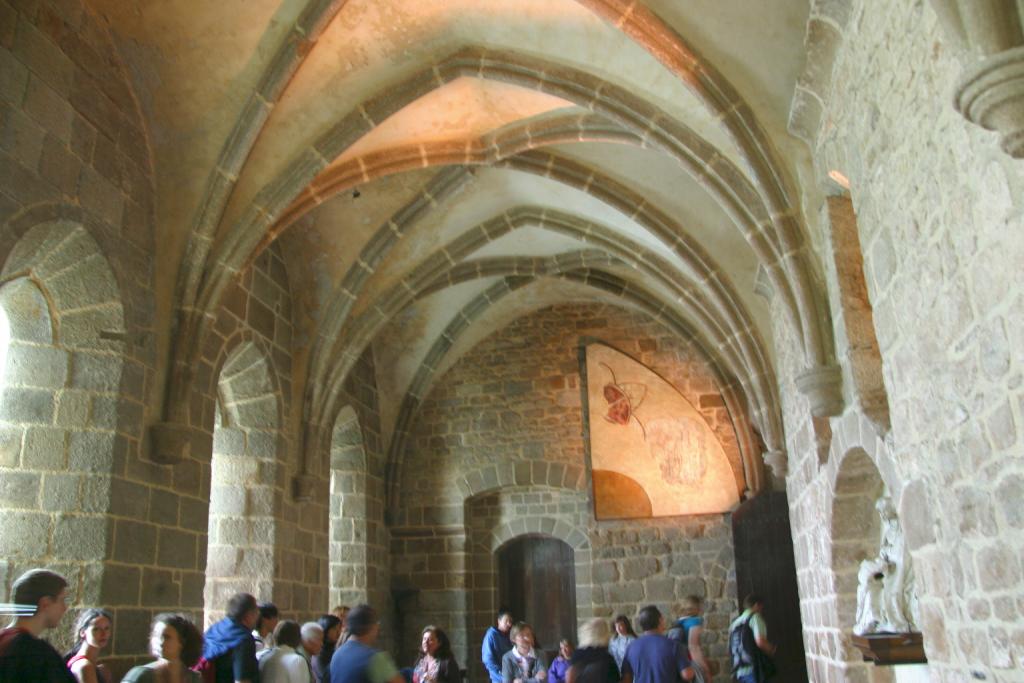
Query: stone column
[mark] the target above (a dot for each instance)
(991, 90)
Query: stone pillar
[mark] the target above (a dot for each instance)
(991, 90)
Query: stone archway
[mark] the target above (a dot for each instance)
(855, 529)
(349, 538)
(537, 581)
(61, 379)
(496, 517)
(855, 533)
(242, 543)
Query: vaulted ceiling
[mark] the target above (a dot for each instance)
(433, 169)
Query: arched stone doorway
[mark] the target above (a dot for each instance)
(497, 518)
(537, 581)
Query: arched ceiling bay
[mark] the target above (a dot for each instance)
(423, 162)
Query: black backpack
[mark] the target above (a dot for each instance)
(742, 647)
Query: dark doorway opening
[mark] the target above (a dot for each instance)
(765, 565)
(537, 581)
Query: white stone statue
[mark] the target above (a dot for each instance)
(886, 602)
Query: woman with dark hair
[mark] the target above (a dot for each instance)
(92, 633)
(435, 663)
(332, 633)
(176, 643)
(624, 635)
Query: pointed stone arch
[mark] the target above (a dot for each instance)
(419, 388)
(348, 522)
(245, 494)
(59, 404)
(859, 468)
(759, 208)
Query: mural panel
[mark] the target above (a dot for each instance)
(652, 454)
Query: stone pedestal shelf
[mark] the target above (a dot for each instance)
(891, 648)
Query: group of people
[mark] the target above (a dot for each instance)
(661, 653)
(511, 655)
(253, 644)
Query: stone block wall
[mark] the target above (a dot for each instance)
(939, 228)
(497, 452)
(74, 157)
(349, 501)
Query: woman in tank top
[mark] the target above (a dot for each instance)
(92, 633)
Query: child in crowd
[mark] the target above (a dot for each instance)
(560, 667)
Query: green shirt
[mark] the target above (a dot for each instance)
(381, 668)
(760, 630)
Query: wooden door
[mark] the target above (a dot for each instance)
(537, 581)
(765, 565)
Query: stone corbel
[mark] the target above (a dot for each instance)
(823, 388)
(991, 90)
(302, 487)
(171, 443)
(778, 462)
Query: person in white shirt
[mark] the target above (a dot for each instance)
(283, 664)
(263, 634)
(312, 641)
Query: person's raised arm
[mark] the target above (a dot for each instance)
(696, 653)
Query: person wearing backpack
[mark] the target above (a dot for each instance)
(749, 645)
(229, 650)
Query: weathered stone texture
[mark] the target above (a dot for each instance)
(939, 230)
(71, 135)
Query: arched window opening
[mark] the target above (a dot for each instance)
(348, 525)
(243, 483)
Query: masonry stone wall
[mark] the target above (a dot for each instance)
(939, 227)
(74, 161)
(497, 452)
(349, 501)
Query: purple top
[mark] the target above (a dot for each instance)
(558, 669)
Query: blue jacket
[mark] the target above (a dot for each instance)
(223, 636)
(231, 648)
(496, 644)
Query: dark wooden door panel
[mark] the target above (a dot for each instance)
(765, 565)
(537, 581)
